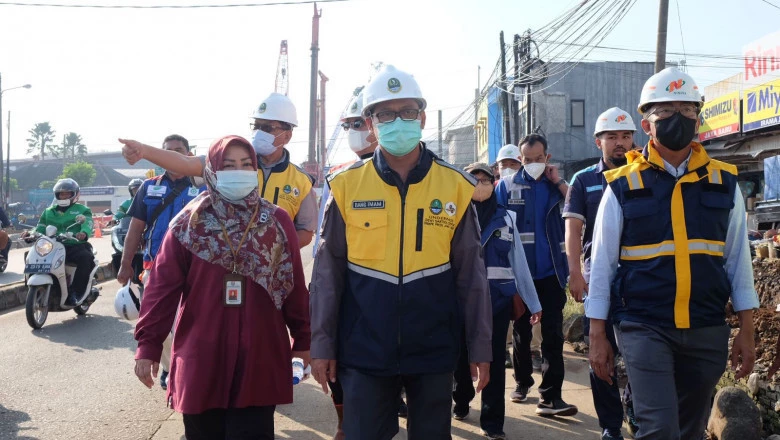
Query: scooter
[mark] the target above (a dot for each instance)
(118, 234)
(48, 277)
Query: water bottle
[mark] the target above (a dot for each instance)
(297, 369)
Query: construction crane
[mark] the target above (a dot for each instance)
(282, 81)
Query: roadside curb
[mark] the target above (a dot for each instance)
(13, 295)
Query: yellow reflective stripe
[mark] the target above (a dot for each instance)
(715, 176)
(500, 273)
(635, 180)
(707, 247)
(372, 273)
(420, 274)
(527, 238)
(647, 251)
(682, 262)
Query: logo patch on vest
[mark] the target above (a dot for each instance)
(436, 206)
(287, 189)
(450, 209)
(368, 204)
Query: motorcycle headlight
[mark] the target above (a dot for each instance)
(43, 247)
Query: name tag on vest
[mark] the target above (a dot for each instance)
(368, 204)
(193, 192)
(157, 190)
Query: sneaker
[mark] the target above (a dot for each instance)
(555, 407)
(611, 434)
(631, 424)
(508, 360)
(403, 410)
(460, 412)
(520, 394)
(164, 380)
(536, 361)
(494, 435)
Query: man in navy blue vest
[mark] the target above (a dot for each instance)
(536, 194)
(614, 134)
(670, 250)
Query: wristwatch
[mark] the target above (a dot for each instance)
(560, 182)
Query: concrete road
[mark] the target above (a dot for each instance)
(15, 271)
(74, 380)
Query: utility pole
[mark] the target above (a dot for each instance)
(315, 48)
(526, 49)
(504, 97)
(516, 105)
(441, 147)
(5, 200)
(7, 162)
(476, 114)
(660, 46)
(321, 167)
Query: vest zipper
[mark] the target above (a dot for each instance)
(401, 272)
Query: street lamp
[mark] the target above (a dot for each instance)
(8, 161)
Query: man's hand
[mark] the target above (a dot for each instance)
(744, 347)
(480, 371)
(324, 371)
(305, 355)
(81, 236)
(145, 370)
(132, 150)
(602, 359)
(536, 318)
(25, 234)
(577, 286)
(551, 172)
(125, 273)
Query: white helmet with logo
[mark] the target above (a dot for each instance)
(390, 84)
(614, 119)
(355, 109)
(126, 303)
(277, 107)
(508, 151)
(669, 85)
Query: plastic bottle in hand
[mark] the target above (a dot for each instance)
(297, 369)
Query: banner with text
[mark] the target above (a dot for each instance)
(761, 106)
(719, 117)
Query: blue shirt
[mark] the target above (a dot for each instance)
(541, 190)
(582, 202)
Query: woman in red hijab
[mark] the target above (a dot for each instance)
(231, 264)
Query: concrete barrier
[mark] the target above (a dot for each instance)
(14, 295)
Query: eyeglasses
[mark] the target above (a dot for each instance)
(687, 110)
(355, 125)
(405, 115)
(485, 181)
(268, 128)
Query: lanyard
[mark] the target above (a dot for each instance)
(240, 243)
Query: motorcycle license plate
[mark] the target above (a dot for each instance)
(37, 268)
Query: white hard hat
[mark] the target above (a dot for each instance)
(614, 119)
(126, 303)
(508, 151)
(669, 85)
(355, 109)
(391, 84)
(277, 107)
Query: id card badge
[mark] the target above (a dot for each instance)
(233, 291)
(193, 192)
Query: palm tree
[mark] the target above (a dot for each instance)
(41, 135)
(72, 146)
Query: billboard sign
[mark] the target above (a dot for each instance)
(761, 106)
(761, 60)
(719, 117)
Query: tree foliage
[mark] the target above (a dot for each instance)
(71, 148)
(82, 172)
(41, 136)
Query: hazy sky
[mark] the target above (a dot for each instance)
(143, 74)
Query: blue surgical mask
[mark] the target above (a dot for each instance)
(399, 137)
(263, 142)
(234, 185)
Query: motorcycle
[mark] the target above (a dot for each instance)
(118, 234)
(48, 277)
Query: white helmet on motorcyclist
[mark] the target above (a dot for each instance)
(63, 186)
(390, 84)
(277, 107)
(126, 303)
(614, 119)
(669, 85)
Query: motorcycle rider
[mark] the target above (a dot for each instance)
(62, 214)
(4, 240)
(125, 206)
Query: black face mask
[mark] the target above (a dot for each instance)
(675, 132)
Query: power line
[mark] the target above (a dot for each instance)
(771, 4)
(679, 22)
(232, 5)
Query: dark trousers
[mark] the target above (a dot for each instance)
(371, 405)
(673, 373)
(80, 255)
(491, 419)
(553, 298)
(252, 423)
(606, 397)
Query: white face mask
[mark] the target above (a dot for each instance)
(507, 172)
(263, 142)
(234, 185)
(535, 169)
(358, 140)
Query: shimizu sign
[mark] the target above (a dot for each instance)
(761, 106)
(719, 117)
